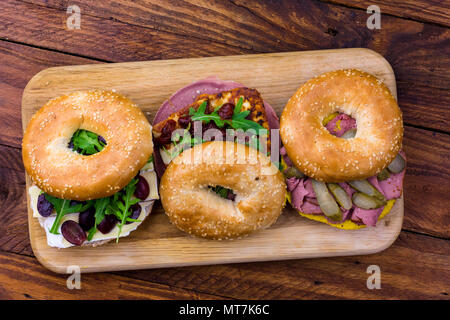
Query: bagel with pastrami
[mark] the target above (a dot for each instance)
(211, 197)
(89, 155)
(342, 136)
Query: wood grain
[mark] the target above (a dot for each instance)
(174, 30)
(13, 229)
(434, 11)
(18, 64)
(23, 277)
(157, 243)
(131, 42)
(414, 267)
(427, 182)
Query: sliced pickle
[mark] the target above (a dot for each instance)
(326, 201)
(397, 165)
(293, 172)
(364, 186)
(340, 195)
(329, 118)
(363, 201)
(383, 175)
(349, 134)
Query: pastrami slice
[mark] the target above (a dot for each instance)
(302, 194)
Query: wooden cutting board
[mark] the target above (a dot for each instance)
(157, 243)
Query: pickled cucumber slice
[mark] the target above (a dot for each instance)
(340, 195)
(329, 118)
(363, 201)
(293, 172)
(383, 175)
(365, 187)
(397, 165)
(326, 201)
(349, 134)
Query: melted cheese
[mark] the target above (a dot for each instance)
(165, 155)
(152, 180)
(34, 193)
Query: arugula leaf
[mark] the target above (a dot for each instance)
(238, 120)
(100, 207)
(200, 115)
(238, 106)
(118, 204)
(63, 207)
(221, 191)
(245, 124)
(126, 204)
(86, 142)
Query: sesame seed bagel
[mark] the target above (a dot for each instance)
(325, 157)
(194, 208)
(64, 173)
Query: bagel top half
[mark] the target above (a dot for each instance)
(192, 206)
(64, 173)
(325, 157)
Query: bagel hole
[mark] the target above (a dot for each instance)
(223, 192)
(340, 125)
(86, 142)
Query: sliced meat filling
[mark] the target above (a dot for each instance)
(303, 197)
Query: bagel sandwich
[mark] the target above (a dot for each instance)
(341, 155)
(213, 198)
(89, 155)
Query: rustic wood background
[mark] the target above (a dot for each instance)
(414, 37)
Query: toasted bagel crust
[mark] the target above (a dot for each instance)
(64, 173)
(325, 157)
(194, 208)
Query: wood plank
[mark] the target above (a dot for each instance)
(101, 38)
(18, 64)
(414, 267)
(434, 11)
(427, 182)
(22, 277)
(414, 49)
(14, 228)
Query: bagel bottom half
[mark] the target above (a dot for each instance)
(347, 224)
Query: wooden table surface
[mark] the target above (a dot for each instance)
(414, 37)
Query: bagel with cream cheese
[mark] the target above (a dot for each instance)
(342, 135)
(89, 155)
